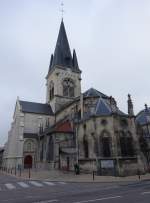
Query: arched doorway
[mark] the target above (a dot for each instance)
(28, 161)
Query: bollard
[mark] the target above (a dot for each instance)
(139, 177)
(29, 173)
(93, 175)
(20, 172)
(139, 174)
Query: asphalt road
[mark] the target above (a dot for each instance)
(13, 190)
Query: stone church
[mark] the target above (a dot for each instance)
(73, 127)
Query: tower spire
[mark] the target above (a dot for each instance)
(62, 55)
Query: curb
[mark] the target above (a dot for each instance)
(80, 181)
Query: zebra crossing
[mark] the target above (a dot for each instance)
(28, 184)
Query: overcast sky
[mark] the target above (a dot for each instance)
(111, 38)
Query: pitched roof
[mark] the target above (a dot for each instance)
(143, 117)
(102, 108)
(38, 108)
(62, 54)
(94, 93)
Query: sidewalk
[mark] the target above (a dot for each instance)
(56, 175)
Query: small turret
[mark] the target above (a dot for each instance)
(146, 107)
(75, 61)
(130, 106)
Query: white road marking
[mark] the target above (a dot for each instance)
(143, 193)
(36, 183)
(100, 199)
(47, 201)
(63, 183)
(49, 183)
(22, 184)
(10, 186)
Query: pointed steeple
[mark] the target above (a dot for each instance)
(75, 61)
(62, 54)
(51, 62)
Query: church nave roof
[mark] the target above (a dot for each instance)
(33, 107)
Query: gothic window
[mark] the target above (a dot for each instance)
(104, 122)
(96, 150)
(68, 88)
(85, 147)
(105, 141)
(29, 146)
(51, 90)
(126, 144)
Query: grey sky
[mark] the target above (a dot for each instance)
(111, 38)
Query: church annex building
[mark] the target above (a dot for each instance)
(73, 127)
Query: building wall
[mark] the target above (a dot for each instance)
(22, 123)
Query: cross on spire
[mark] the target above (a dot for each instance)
(62, 9)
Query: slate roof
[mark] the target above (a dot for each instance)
(103, 106)
(94, 93)
(38, 108)
(143, 117)
(62, 54)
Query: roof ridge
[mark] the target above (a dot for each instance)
(97, 105)
(32, 102)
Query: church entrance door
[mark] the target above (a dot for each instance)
(28, 161)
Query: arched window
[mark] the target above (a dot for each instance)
(51, 90)
(68, 88)
(29, 146)
(85, 147)
(105, 141)
(126, 144)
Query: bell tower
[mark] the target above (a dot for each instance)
(64, 75)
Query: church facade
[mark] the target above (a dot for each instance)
(73, 127)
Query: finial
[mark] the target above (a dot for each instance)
(129, 96)
(146, 107)
(62, 10)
